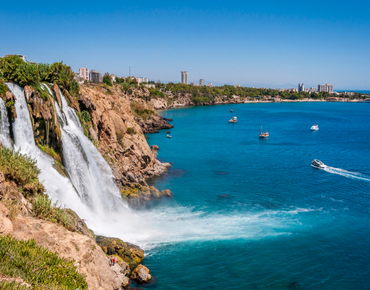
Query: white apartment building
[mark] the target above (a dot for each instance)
(84, 73)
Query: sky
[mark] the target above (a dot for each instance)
(251, 43)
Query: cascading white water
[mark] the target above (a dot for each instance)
(58, 187)
(4, 126)
(89, 172)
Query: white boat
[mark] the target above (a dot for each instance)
(264, 134)
(315, 127)
(169, 136)
(317, 164)
(233, 120)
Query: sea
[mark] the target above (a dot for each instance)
(251, 213)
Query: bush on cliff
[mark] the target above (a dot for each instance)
(22, 170)
(139, 110)
(37, 266)
(43, 209)
(131, 131)
(14, 69)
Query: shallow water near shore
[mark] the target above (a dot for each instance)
(253, 214)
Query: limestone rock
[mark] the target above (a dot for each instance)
(129, 253)
(6, 226)
(28, 91)
(57, 95)
(141, 274)
(121, 275)
(155, 147)
(89, 258)
(166, 192)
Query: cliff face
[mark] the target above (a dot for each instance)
(119, 120)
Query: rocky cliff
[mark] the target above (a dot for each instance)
(119, 120)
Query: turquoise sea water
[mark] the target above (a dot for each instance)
(252, 213)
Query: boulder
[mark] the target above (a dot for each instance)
(6, 225)
(155, 147)
(166, 192)
(141, 274)
(121, 274)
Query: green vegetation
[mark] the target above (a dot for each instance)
(51, 152)
(14, 69)
(139, 110)
(22, 170)
(131, 131)
(107, 79)
(43, 209)
(85, 116)
(37, 266)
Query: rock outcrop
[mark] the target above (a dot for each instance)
(129, 253)
(141, 274)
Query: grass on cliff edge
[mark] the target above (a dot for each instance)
(22, 170)
(37, 266)
(139, 110)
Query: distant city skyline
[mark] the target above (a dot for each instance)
(259, 44)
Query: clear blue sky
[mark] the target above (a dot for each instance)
(254, 43)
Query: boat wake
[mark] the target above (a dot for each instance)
(345, 173)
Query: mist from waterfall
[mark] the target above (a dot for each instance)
(4, 126)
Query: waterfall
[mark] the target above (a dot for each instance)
(58, 187)
(89, 172)
(4, 126)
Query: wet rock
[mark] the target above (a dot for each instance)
(166, 192)
(141, 274)
(129, 253)
(28, 91)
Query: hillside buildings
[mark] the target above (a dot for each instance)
(96, 76)
(84, 73)
(194, 84)
(210, 85)
(201, 82)
(184, 77)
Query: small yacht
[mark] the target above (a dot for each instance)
(231, 110)
(315, 127)
(169, 136)
(264, 134)
(317, 164)
(233, 120)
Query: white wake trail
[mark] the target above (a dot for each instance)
(345, 173)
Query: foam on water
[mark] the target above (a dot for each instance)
(345, 173)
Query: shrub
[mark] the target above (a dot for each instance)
(85, 116)
(139, 110)
(22, 170)
(37, 266)
(43, 209)
(131, 131)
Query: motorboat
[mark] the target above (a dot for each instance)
(317, 164)
(315, 127)
(231, 110)
(233, 120)
(169, 136)
(264, 134)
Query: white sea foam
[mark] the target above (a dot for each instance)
(345, 173)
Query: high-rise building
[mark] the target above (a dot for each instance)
(301, 88)
(184, 77)
(95, 76)
(84, 73)
(201, 82)
(325, 88)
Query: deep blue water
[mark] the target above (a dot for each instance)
(253, 214)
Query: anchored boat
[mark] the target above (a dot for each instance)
(315, 127)
(264, 134)
(233, 120)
